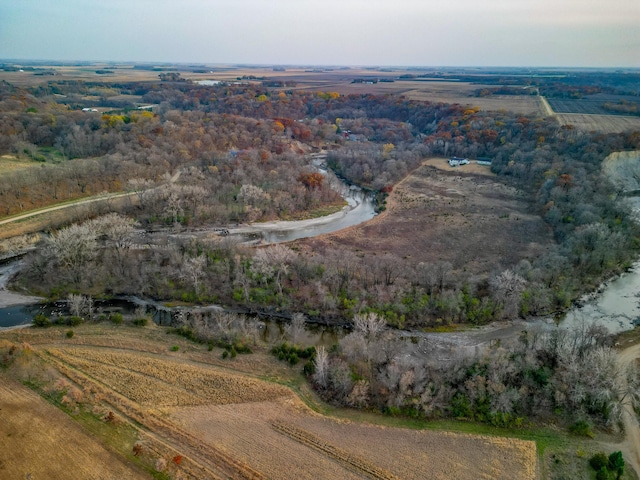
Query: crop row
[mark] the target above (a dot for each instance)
(344, 457)
(206, 384)
(197, 453)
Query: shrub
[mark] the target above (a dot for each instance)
(582, 429)
(225, 354)
(73, 321)
(598, 461)
(175, 348)
(139, 322)
(41, 321)
(616, 464)
(292, 354)
(116, 318)
(69, 333)
(137, 450)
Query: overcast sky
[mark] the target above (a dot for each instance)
(592, 33)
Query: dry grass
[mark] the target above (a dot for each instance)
(599, 123)
(462, 215)
(433, 92)
(313, 444)
(10, 163)
(154, 381)
(39, 441)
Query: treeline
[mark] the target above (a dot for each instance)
(573, 375)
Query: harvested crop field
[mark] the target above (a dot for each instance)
(215, 415)
(523, 104)
(599, 123)
(462, 215)
(154, 381)
(319, 447)
(32, 432)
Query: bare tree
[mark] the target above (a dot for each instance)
(506, 289)
(369, 325)
(321, 362)
(276, 259)
(72, 248)
(193, 270)
(295, 329)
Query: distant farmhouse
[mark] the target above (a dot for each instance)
(457, 161)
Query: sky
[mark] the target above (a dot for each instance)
(568, 33)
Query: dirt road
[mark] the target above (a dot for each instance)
(42, 211)
(546, 107)
(86, 201)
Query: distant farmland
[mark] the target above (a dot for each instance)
(590, 114)
(599, 123)
(593, 104)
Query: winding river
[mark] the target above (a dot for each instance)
(616, 306)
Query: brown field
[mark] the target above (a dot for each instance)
(599, 123)
(223, 420)
(462, 215)
(39, 441)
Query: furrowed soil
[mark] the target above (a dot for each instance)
(464, 215)
(196, 415)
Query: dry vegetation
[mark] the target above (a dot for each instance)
(599, 123)
(462, 93)
(32, 432)
(9, 163)
(221, 422)
(463, 215)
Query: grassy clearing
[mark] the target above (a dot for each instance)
(10, 163)
(455, 211)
